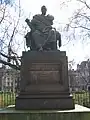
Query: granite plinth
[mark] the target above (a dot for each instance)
(45, 103)
(44, 81)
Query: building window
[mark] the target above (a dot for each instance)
(11, 83)
(8, 79)
(8, 83)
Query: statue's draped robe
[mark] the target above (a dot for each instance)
(42, 32)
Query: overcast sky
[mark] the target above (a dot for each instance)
(75, 50)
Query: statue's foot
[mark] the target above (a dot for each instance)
(40, 49)
(47, 49)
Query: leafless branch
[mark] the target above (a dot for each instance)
(3, 15)
(9, 64)
(84, 2)
(13, 33)
(85, 16)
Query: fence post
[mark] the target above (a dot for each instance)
(89, 93)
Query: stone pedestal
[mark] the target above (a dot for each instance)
(44, 81)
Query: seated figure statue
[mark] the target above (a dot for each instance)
(42, 35)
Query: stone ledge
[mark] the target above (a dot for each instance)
(26, 102)
(79, 113)
(44, 56)
(78, 109)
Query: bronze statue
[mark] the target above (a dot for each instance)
(42, 35)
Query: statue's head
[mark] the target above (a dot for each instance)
(43, 10)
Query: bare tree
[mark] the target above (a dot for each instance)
(78, 26)
(11, 32)
(79, 22)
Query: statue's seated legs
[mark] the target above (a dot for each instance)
(29, 41)
(45, 41)
(52, 40)
(38, 41)
(50, 46)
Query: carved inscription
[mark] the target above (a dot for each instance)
(44, 67)
(43, 73)
(44, 77)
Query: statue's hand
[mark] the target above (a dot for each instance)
(59, 43)
(27, 20)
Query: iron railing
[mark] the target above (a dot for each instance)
(7, 98)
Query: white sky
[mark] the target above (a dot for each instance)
(31, 7)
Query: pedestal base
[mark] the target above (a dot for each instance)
(57, 103)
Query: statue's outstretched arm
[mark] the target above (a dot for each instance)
(29, 24)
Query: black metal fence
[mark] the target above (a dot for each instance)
(7, 98)
(82, 98)
(81, 95)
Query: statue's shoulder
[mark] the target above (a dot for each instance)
(50, 17)
(37, 15)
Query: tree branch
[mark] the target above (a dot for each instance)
(84, 2)
(84, 16)
(3, 15)
(11, 65)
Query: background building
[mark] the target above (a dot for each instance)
(9, 79)
(79, 79)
